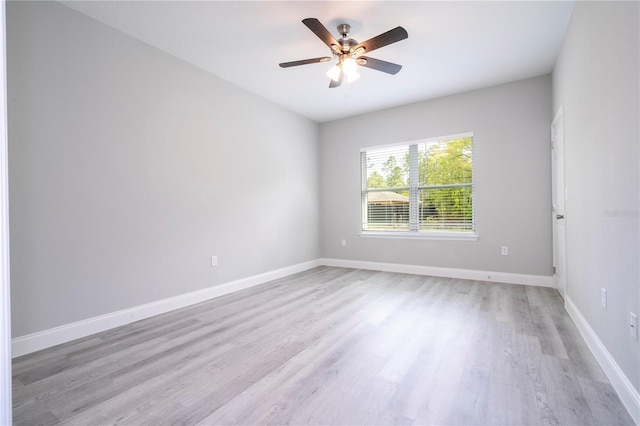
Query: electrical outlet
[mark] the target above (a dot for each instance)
(344, 242)
(603, 298)
(505, 251)
(633, 325)
(214, 260)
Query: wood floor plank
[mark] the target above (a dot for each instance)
(547, 333)
(602, 401)
(580, 360)
(331, 346)
(565, 395)
(472, 401)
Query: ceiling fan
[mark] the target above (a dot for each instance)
(350, 53)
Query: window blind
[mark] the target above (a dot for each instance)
(423, 186)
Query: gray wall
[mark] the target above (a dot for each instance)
(596, 79)
(130, 168)
(511, 126)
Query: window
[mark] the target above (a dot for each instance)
(420, 188)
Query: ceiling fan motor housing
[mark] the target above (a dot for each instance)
(346, 43)
(343, 29)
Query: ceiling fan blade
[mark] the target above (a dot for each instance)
(379, 65)
(384, 39)
(334, 83)
(304, 62)
(322, 32)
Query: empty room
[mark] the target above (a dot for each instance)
(319, 212)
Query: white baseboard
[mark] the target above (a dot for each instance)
(65, 333)
(44, 339)
(627, 393)
(467, 274)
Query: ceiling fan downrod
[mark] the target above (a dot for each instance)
(346, 43)
(343, 30)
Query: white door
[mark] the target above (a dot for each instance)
(5, 304)
(559, 194)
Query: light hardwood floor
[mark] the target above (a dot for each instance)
(331, 346)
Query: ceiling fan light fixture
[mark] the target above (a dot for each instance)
(352, 77)
(350, 68)
(334, 73)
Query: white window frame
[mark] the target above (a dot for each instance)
(413, 232)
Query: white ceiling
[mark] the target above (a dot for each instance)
(452, 46)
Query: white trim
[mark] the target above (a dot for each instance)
(33, 342)
(559, 154)
(444, 236)
(5, 284)
(627, 393)
(559, 113)
(467, 274)
(422, 140)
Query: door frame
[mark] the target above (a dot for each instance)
(5, 299)
(558, 163)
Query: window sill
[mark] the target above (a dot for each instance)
(445, 236)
